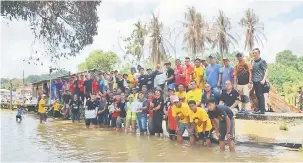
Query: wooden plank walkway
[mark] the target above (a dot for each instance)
(271, 116)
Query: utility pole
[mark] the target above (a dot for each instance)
(50, 84)
(11, 94)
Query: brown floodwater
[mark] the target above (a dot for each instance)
(63, 141)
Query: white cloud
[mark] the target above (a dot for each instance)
(118, 16)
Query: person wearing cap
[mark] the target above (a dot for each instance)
(201, 123)
(212, 73)
(170, 75)
(198, 74)
(243, 79)
(226, 73)
(41, 108)
(180, 112)
(131, 80)
(131, 117)
(204, 61)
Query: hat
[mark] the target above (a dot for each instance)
(239, 55)
(212, 56)
(174, 98)
(43, 95)
(131, 96)
(225, 58)
(133, 69)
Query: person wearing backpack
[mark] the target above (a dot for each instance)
(243, 78)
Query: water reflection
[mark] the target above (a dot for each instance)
(64, 141)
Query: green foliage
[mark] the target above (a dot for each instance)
(65, 27)
(103, 61)
(288, 59)
(125, 69)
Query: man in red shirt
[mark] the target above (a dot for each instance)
(179, 73)
(80, 84)
(189, 69)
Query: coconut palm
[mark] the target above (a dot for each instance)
(159, 45)
(222, 36)
(197, 32)
(254, 29)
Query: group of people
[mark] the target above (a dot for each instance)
(198, 98)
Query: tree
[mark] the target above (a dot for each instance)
(288, 59)
(103, 61)
(158, 44)
(136, 42)
(196, 32)
(222, 36)
(63, 27)
(254, 29)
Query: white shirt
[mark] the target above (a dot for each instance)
(90, 113)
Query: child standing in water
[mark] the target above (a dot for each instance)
(19, 114)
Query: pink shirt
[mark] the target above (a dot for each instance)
(178, 71)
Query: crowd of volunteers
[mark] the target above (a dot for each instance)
(199, 97)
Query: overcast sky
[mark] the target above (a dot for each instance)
(283, 22)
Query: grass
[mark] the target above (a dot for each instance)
(283, 126)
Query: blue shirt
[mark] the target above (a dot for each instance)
(227, 74)
(212, 75)
(19, 112)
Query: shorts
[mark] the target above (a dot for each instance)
(202, 136)
(18, 117)
(172, 132)
(57, 114)
(184, 126)
(90, 120)
(120, 121)
(43, 116)
(131, 123)
(222, 129)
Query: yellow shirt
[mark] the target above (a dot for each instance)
(198, 117)
(182, 113)
(195, 95)
(41, 108)
(132, 81)
(198, 76)
(56, 106)
(181, 94)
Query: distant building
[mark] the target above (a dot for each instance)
(27, 89)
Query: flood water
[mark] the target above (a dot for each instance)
(63, 141)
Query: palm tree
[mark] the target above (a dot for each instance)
(158, 42)
(196, 32)
(254, 29)
(222, 37)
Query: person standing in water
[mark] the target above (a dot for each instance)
(41, 109)
(157, 108)
(19, 114)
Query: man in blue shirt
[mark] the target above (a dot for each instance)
(19, 114)
(226, 73)
(212, 73)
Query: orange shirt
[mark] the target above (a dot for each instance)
(188, 72)
(242, 66)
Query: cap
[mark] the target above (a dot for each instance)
(212, 56)
(171, 89)
(225, 58)
(239, 55)
(43, 94)
(133, 69)
(174, 98)
(131, 96)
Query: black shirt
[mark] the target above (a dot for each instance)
(91, 105)
(142, 81)
(229, 98)
(77, 88)
(121, 106)
(158, 102)
(169, 73)
(150, 82)
(66, 98)
(75, 106)
(88, 85)
(120, 84)
(221, 113)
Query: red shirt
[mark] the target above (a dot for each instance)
(188, 71)
(94, 86)
(178, 78)
(71, 87)
(171, 120)
(81, 82)
(115, 114)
